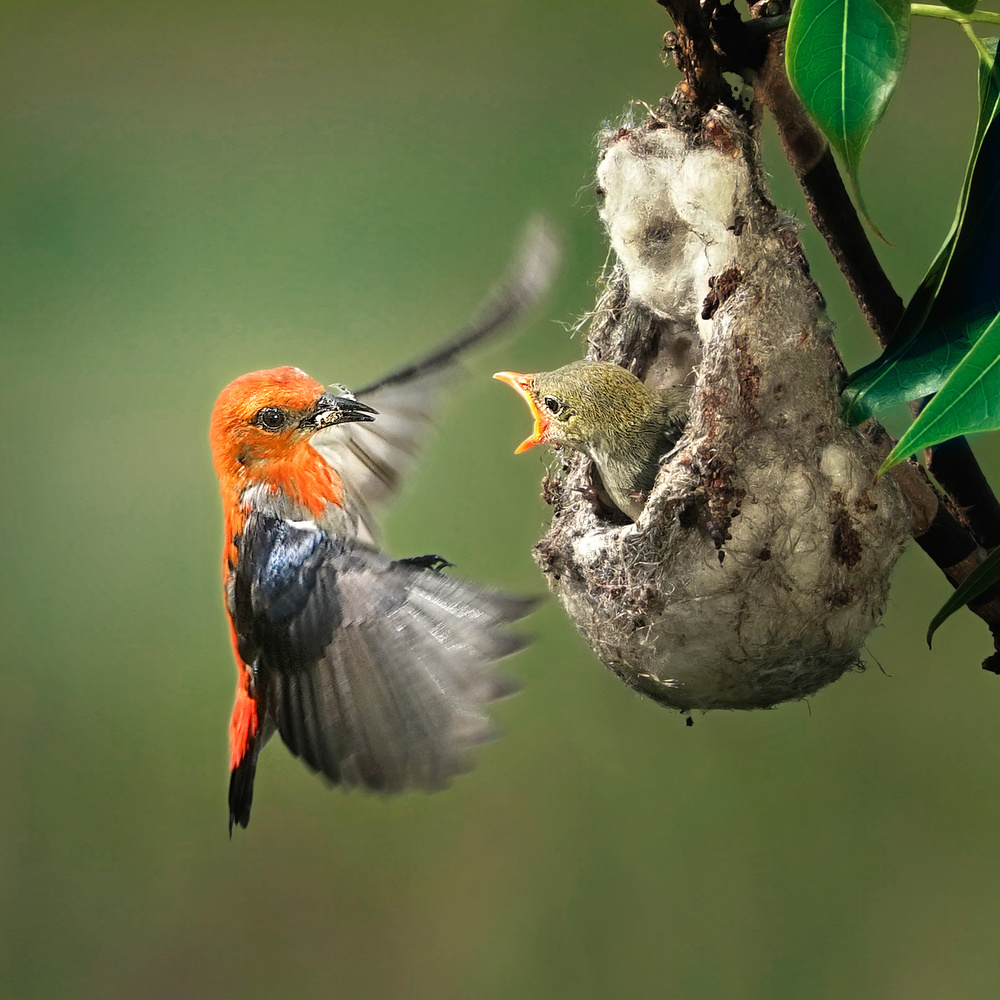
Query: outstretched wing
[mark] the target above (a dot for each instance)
(376, 672)
(372, 458)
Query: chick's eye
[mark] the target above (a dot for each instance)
(551, 404)
(271, 418)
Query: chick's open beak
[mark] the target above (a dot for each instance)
(525, 386)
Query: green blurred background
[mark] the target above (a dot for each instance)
(191, 191)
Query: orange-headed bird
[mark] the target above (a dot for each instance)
(374, 671)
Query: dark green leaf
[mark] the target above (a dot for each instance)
(902, 375)
(945, 315)
(984, 575)
(962, 6)
(844, 58)
(989, 105)
(968, 402)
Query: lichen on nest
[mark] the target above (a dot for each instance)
(761, 561)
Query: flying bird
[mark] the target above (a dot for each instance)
(604, 411)
(374, 671)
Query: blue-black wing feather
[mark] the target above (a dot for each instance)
(375, 671)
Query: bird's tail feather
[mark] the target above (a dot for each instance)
(241, 791)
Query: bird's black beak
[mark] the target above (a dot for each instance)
(331, 410)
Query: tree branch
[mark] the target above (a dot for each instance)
(691, 46)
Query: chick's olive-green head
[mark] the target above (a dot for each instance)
(586, 405)
(604, 411)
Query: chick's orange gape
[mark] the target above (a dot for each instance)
(374, 671)
(525, 385)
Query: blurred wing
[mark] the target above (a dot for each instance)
(376, 672)
(372, 458)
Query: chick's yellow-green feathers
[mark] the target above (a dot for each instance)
(604, 411)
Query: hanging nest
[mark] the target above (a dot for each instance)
(761, 561)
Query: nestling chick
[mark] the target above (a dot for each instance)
(604, 411)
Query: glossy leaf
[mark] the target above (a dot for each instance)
(969, 401)
(989, 105)
(844, 58)
(945, 315)
(984, 575)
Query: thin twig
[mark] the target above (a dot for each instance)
(975, 17)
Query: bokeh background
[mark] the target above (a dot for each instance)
(189, 191)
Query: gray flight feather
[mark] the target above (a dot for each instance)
(372, 458)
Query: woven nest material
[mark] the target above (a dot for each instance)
(761, 561)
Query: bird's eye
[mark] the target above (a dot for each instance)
(271, 418)
(551, 404)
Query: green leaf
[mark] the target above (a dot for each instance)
(902, 375)
(969, 401)
(984, 575)
(962, 6)
(945, 315)
(844, 58)
(989, 106)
